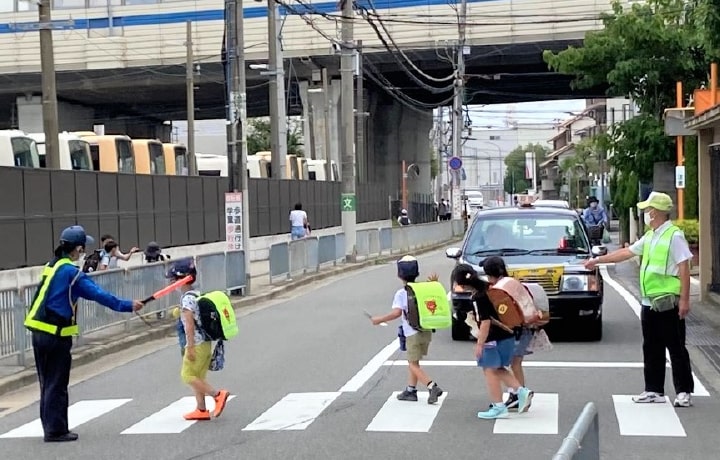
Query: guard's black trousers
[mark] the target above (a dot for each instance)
(663, 330)
(53, 361)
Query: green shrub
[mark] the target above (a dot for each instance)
(690, 227)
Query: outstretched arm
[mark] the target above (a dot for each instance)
(87, 289)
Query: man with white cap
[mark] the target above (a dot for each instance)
(665, 290)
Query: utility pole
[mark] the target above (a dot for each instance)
(360, 119)
(190, 89)
(241, 133)
(231, 84)
(458, 107)
(439, 153)
(49, 91)
(328, 101)
(278, 122)
(348, 199)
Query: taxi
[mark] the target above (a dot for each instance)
(543, 245)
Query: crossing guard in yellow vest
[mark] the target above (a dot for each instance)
(665, 292)
(53, 322)
(429, 310)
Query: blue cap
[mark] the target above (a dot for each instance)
(408, 267)
(76, 236)
(182, 268)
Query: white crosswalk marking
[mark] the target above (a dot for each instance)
(541, 419)
(296, 411)
(406, 416)
(170, 419)
(647, 419)
(79, 413)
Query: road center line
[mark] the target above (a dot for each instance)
(372, 366)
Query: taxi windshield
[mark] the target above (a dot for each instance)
(534, 234)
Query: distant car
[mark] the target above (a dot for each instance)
(544, 245)
(552, 203)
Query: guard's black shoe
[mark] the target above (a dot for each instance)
(67, 437)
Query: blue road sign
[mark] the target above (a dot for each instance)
(455, 163)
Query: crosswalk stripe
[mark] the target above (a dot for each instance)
(79, 413)
(541, 419)
(170, 419)
(296, 411)
(647, 419)
(406, 416)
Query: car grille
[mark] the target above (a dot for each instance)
(548, 278)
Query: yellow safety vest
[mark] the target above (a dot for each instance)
(34, 324)
(654, 279)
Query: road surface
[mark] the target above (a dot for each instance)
(314, 380)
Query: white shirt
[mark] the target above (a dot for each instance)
(108, 260)
(679, 250)
(297, 217)
(401, 301)
(189, 303)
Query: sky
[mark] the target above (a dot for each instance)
(494, 116)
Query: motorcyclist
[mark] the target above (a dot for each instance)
(596, 219)
(594, 214)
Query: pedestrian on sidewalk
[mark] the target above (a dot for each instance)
(665, 290)
(111, 253)
(52, 320)
(198, 347)
(415, 343)
(299, 226)
(494, 348)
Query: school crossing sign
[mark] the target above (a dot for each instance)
(347, 202)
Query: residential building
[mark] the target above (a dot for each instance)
(486, 148)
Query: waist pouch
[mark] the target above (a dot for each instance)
(663, 303)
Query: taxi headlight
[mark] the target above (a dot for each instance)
(579, 283)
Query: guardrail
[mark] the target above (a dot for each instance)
(291, 259)
(217, 271)
(583, 440)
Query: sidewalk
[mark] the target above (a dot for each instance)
(135, 332)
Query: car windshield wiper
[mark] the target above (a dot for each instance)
(500, 251)
(559, 250)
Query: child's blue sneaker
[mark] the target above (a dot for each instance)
(524, 399)
(498, 410)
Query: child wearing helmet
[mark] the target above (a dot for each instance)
(416, 342)
(197, 348)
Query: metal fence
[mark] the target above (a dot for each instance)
(583, 440)
(291, 259)
(171, 210)
(217, 271)
(220, 271)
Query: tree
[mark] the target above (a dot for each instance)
(515, 181)
(258, 137)
(578, 168)
(641, 53)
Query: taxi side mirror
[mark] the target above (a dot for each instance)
(598, 251)
(453, 253)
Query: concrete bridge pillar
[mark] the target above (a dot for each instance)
(71, 117)
(312, 95)
(396, 133)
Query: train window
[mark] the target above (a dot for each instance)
(157, 158)
(79, 155)
(181, 161)
(25, 152)
(95, 156)
(126, 162)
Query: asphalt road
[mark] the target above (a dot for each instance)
(313, 379)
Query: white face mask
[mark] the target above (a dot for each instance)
(647, 218)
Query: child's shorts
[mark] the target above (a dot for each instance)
(197, 369)
(499, 356)
(418, 345)
(522, 344)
